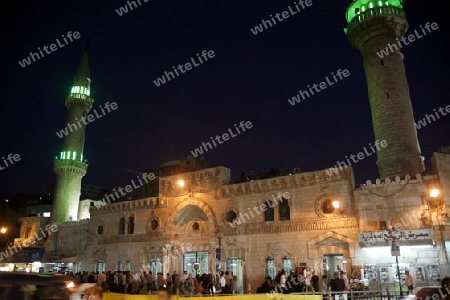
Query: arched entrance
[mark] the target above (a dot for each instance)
(333, 250)
(191, 229)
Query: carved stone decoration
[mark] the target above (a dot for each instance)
(323, 206)
(153, 224)
(123, 254)
(276, 248)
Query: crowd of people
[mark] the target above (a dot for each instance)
(296, 282)
(146, 283)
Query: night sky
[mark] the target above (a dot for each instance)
(250, 78)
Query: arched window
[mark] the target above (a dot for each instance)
(130, 225)
(122, 226)
(269, 214)
(284, 210)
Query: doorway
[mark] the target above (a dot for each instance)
(234, 267)
(333, 263)
(196, 262)
(155, 266)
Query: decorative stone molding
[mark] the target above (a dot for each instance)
(316, 249)
(289, 226)
(201, 204)
(198, 181)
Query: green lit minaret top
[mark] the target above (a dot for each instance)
(360, 6)
(82, 79)
(78, 103)
(360, 10)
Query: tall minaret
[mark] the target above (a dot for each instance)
(70, 166)
(372, 26)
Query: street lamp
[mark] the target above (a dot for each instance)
(335, 204)
(3, 230)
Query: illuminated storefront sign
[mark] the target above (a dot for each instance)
(406, 238)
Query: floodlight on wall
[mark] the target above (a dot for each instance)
(434, 193)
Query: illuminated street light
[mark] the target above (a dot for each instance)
(3, 230)
(335, 204)
(181, 182)
(434, 193)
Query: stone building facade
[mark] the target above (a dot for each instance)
(189, 223)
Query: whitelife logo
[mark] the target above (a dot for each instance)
(33, 56)
(187, 66)
(411, 38)
(319, 87)
(124, 9)
(224, 136)
(356, 158)
(30, 241)
(430, 118)
(262, 208)
(89, 119)
(11, 158)
(128, 189)
(285, 14)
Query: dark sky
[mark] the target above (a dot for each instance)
(250, 78)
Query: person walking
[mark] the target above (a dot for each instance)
(345, 278)
(337, 284)
(234, 287)
(409, 282)
(210, 283)
(315, 281)
(222, 282)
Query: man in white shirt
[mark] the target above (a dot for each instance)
(184, 277)
(282, 283)
(222, 282)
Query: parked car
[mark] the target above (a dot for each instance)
(24, 286)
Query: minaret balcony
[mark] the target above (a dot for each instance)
(70, 162)
(369, 12)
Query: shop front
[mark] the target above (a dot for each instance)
(390, 254)
(25, 260)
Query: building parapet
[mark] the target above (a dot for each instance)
(283, 182)
(392, 183)
(152, 202)
(75, 223)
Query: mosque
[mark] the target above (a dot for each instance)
(305, 221)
